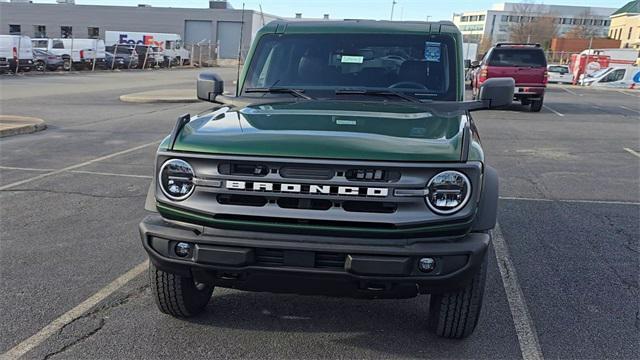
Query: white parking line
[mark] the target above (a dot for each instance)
(571, 91)
(110, 174)
(77, 172)
(57, 324)
(24, 169)
(632, 152)
(626, 93)
(72, 167)
(604, 202)
(553, 111)
(525, 329)
(632, 110)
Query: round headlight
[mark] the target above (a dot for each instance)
(176, 179)
(448, 192)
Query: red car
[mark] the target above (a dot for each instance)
(525, 63)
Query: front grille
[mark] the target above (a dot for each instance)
(377, 175)
(243, 169)
(372, 198)
(291, 172)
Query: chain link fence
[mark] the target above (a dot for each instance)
(559, 57)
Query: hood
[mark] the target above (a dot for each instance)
(330, 130)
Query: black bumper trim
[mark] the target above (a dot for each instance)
(233, 261)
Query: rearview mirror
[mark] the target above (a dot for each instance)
(497, 92)
(209, 86)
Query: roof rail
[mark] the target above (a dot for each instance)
(517, 44)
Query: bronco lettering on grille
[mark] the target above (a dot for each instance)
(306, 189)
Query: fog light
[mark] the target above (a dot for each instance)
(427, 264)
(183, 249)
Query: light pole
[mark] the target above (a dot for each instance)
(393, 5)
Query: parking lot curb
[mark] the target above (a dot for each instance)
(162, 96)
(15, 125)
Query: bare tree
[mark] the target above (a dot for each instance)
(532, 26)
(484, 46)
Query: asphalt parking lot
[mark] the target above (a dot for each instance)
(562, 282)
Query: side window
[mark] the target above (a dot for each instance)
(615, 75)
(40, 43)
(57, 44)
(262, 77)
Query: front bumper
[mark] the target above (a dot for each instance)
(306, 264)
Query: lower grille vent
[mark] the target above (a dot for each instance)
(245, 200)
(275, 257)
(369, 207)
(306, 204)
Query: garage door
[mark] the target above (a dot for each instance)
(196, 31)
(229, 39)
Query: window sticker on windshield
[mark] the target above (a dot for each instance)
(352, 59)
(432, 51)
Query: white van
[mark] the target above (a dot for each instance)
(15, 50)
(170, 44)
(619, 77)
(81, 51)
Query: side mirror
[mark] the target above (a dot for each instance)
(475, 64)
(467, 63)
(497, 92)
(209, 86)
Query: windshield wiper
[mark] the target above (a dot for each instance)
(279, 90)
(356, 91)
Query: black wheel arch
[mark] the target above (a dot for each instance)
(488, 207)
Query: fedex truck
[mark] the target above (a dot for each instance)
(170, 44)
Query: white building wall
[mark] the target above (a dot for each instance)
(496, 21)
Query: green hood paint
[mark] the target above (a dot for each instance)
(328, 129)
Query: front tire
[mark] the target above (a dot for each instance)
(455, 314)
(177, 295)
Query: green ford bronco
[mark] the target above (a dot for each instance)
(345, 164)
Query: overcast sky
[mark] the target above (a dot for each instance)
(369, 9)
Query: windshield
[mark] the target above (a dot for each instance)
(421, 65)
(598, 73)
(559, 69)
(517, 58)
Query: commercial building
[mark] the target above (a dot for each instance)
(496, 24)
(218, 24)
(625, 25)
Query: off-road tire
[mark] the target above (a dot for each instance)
(455, 314)
(536, 105)
(178, 295)
(66, 64)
